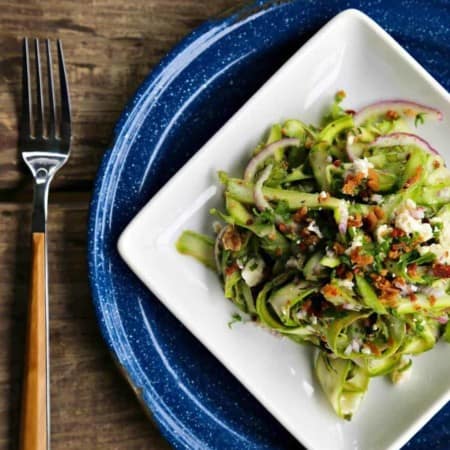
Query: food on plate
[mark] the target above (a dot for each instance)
(338, 236)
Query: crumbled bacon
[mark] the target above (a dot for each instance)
(415, 178)
(360, 260)
(373, 348)
(283, 228)
(323, 196)
(300, 214)
(371, 221)
(373, 181)
(378, 212)
(330, 290)
(388, 293)
(432, 299)
(231, 269)
(352, 182)
(411, 270)
(308, 238)
(337, 163)
(355, 221)
(231, 239)
(436, 164)
(441, 270)
(341, 271)
(397, 233)
(338, 248)
(392, 115)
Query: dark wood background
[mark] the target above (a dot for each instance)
(110, 46)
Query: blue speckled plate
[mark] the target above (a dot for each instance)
(193, 91)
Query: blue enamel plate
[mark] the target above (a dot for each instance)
(196, 402)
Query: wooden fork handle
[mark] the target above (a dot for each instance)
(34, 420)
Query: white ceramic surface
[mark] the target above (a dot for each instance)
(352, 53)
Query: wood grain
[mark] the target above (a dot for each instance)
(110, 46)
(34, 413)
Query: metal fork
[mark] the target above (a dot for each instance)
(45, 146)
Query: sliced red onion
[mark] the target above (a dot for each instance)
(343, 218)
(217, 244)
(393, 139)
(260, 201)
(442, 319)
(401, 107)
(265, 153)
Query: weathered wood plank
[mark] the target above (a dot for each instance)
(110, 46)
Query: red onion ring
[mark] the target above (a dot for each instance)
(401, 107)
(393, 139)
(265, 153)
(260, 201)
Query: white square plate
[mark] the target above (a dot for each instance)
(352, 53)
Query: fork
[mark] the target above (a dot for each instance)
(44, 143)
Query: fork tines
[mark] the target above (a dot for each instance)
(35, 124)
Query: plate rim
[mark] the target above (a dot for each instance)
(128, 367)
(222, 22)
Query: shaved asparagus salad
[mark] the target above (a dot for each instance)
(339, 236)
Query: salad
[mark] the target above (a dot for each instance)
(338, 236)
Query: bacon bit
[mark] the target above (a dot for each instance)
(388, 293)
(352, 181)
(417, 307)
(370, 221)
(409, 112)
(378, 212)
(399, 282)
(283, 228)
(307, 305)
(323, 197)
(412, 296)
(432, 299)
(355, 221)
(300, 214)
(308, 238)
(231, 239)
(249, 222)
(337, 163)
(392, 115)
(338, 248)
(441, 270)
(393, 254)
(360, 260)
(436, 164)
(341, 271)
(411, 270)
(373, 348)
(373, 181)
(303, 247)
(397, 233)
(330, 290)
(231, 269)
(414, 178)
(350, 112)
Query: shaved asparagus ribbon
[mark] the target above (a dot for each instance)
(266, 153)
(311, 253)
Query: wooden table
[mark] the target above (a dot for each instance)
(110, 46)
